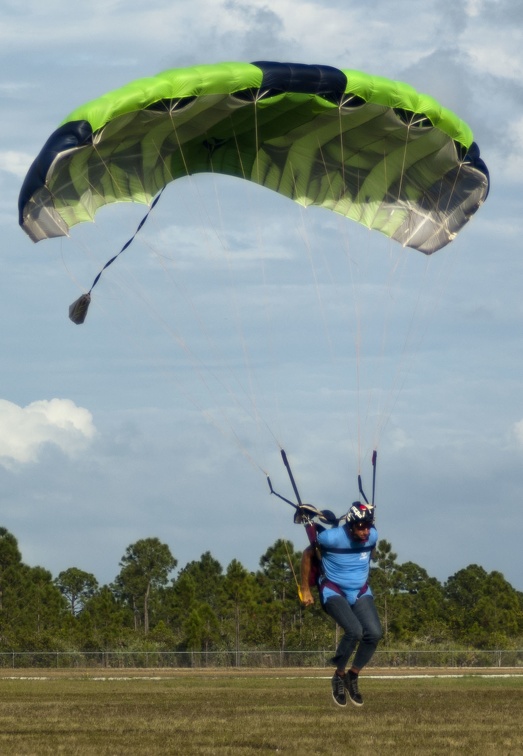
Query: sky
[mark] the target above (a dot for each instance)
(239, 323)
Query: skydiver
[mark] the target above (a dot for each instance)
(346, 552)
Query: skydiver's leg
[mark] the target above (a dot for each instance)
(365, 611)
(340, 610)
(362, 628)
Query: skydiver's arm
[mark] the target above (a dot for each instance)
(306, 563)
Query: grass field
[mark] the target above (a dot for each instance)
(153, 712)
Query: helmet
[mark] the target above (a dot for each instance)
(359, 512)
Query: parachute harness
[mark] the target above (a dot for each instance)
(305, 514)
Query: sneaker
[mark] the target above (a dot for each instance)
(351, 683)
(338, 690)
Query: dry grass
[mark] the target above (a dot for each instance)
(184, 713)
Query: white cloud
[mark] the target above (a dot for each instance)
(15, 163)
(492, 39)
(473, 7)
(510, 164)
(497, 56)
(518, 432)
(24, 431)
(399, 439)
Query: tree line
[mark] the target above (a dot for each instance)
(208, 608)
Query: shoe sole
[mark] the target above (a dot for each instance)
(338, 703)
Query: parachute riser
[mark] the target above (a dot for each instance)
(304, 513)
(291, 476)
(374, 461)
(360, 485)
(279, 495)
(301, 515)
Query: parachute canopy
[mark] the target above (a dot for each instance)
(366, 147)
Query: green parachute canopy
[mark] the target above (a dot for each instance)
(371, 149)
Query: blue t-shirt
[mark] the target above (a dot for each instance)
(346, 562)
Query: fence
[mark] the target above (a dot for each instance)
(250, 659)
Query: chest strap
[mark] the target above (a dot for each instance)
(345, 549)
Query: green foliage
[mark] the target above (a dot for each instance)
(483, 608)
(205, 608)
(201, 629)
(77, 586)
(146, 566)
(32, 608)
(9, 553)
(278, 583)
(104, 621)
(241, 599)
